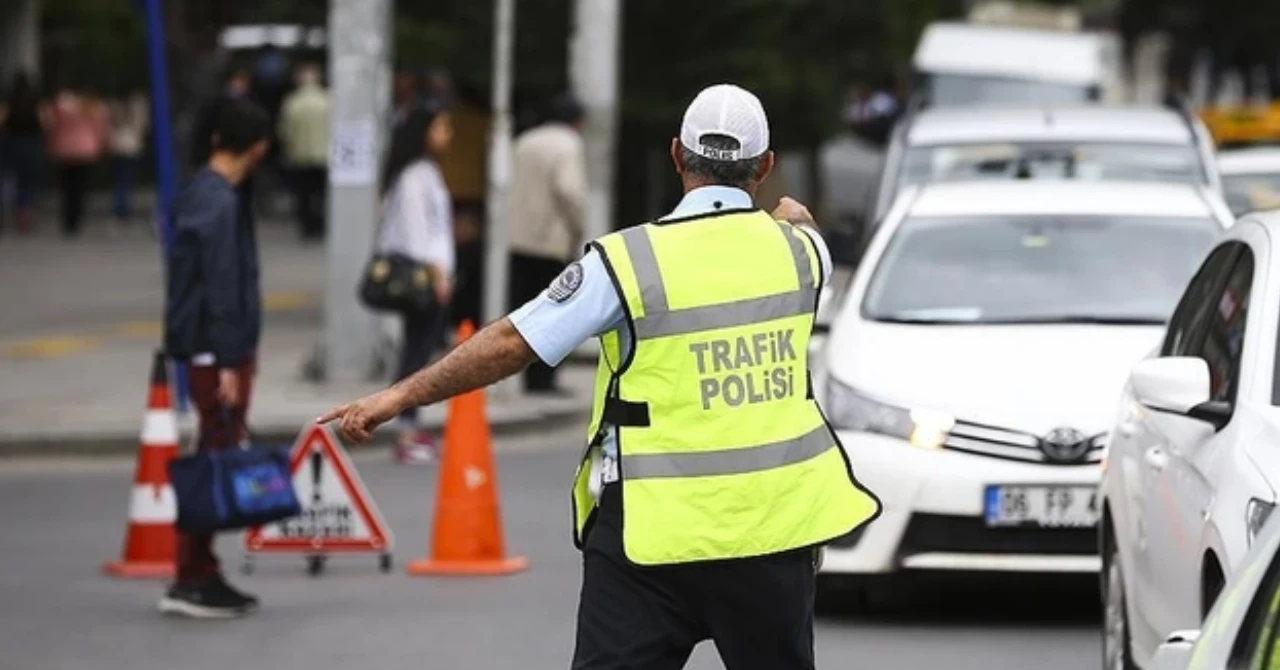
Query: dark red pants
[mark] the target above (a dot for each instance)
(219, 428)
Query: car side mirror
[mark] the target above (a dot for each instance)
(1175, 652)
(1178, 385)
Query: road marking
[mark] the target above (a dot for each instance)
(139, 329)
(49, 347)
(58, 346)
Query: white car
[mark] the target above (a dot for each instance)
(1250, 178)
(973, 367)
(1194, 462)
(1241, 629)
(1087, 143)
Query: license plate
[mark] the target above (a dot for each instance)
(1041, 506)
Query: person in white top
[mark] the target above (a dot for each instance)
(417, 221)
(130, 119)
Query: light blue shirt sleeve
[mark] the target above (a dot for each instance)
(554, 328)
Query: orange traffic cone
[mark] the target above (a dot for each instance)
(466, 538)
(149, 539)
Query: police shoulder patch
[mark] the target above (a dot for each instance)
(567, 283)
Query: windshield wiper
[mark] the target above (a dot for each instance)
(1081, 319)
(920, 321)
(1030, 320)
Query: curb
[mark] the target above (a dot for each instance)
(119, 445)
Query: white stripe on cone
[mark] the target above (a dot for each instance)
(152, 503)
(159, 428)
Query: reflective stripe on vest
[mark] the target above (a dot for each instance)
(729, 461)
(658, 321)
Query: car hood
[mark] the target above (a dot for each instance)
(1032, 378)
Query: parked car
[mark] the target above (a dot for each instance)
(1250, 178)
(972, 370)
(1194, 461)
(1241, 631)
(1090, 143)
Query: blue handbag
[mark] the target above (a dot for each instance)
(233, 488)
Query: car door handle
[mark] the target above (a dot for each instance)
(1156, 458)
(1127, 428)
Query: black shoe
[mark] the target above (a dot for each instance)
(247, 601)
(203, 600)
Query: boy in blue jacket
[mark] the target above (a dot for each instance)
(213, 321)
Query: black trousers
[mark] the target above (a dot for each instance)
(73, 179)
(309, 186)
(421, 339)
(529, 275)
(758, 611)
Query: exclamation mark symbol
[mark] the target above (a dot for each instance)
(316, 462)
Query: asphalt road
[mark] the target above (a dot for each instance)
(62, 519)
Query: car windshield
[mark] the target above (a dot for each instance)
(1032, 160)
(1252, 192)
(1037, 269)
(959, 90)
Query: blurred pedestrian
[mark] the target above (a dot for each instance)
(239, 86)
(213, 321)
(417, 222)
(24, 147)
(546, 213)
(130, 119)
(78, 129)
(711, 478)
(406, 95)
(437, 88)
(304, 136)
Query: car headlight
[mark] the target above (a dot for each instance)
(851, 410)
(1256, 514)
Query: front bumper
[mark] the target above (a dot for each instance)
(932, 517)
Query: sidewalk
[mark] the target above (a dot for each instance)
(79, 322)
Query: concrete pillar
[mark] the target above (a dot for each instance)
(19, 38)
(593, 73)
(360, 62)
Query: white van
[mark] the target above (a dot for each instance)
(960, 64)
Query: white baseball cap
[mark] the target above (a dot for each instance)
(725, 109)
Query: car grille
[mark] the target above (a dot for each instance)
(963, 534)
(1013, 445)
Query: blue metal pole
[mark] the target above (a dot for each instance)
(166, 164)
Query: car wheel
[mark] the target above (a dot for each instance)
(1116, 654)
(1210, 587)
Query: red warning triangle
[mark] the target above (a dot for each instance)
(338, 514)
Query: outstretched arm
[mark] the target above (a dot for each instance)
(496, 352)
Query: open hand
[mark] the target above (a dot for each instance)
(359, 419)
(791, 211)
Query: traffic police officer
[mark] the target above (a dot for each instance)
(711, 477)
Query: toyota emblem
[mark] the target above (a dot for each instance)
(1065, 445)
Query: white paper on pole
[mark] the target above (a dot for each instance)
(353, 154)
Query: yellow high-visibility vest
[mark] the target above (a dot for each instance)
(722, 449)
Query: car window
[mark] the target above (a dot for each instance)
(1188, 321)
(1252, 192)
(1224, 336)
(946, 90)
(1036, 269)
(1117, 161)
